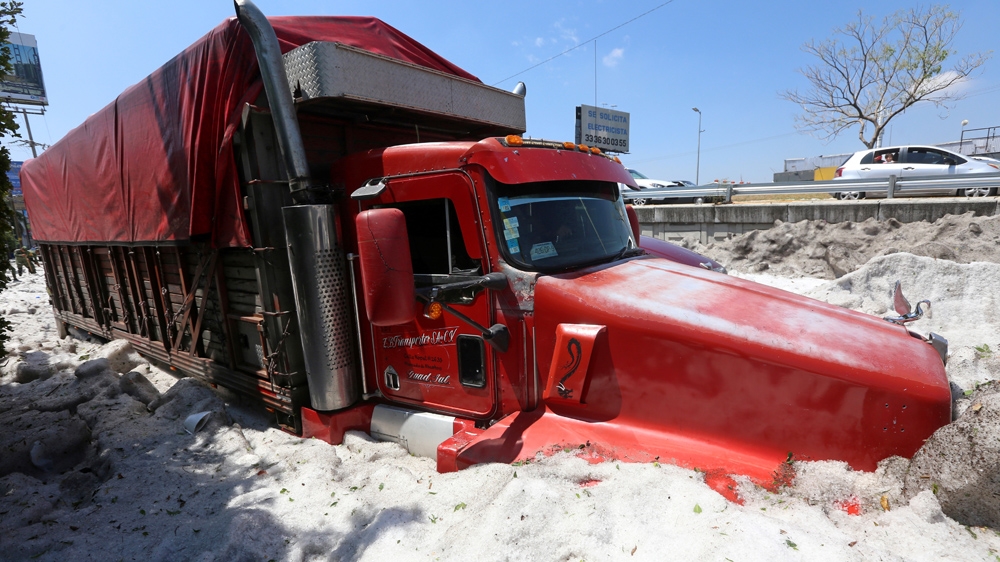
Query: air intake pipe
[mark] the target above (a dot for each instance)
(272, 73)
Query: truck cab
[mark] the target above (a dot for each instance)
(472, 209)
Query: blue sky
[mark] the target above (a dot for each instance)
(728, 58)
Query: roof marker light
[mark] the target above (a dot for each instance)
(568, 145)
(514, 140)
(583, 148)
(595, 150)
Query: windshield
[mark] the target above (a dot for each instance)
(561, 225)
(637, 175)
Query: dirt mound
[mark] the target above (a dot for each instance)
(960, 462)
(829, 251)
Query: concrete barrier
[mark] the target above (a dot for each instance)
(910, 210)
(705, 223)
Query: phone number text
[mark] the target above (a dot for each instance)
(606, 141)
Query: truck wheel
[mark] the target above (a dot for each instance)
(638, 201)
(850, 195)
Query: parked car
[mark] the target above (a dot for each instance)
(635, 196)
(655, 191)
(914, 161)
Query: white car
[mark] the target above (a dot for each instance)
(914, 161)
(653, 191)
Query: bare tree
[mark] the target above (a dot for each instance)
(868, 74)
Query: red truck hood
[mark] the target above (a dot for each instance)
(717, 371)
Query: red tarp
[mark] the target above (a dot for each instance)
(157, 165)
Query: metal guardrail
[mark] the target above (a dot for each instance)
(902, 185)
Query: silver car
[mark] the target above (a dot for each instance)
(655, 191)
(913, 161)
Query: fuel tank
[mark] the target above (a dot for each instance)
(649, 359)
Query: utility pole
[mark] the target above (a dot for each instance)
(697, 170)
(27, 125)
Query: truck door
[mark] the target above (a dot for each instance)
(440, 364)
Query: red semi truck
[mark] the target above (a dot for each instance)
(324, 214)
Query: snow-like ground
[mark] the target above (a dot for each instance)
(240, 489)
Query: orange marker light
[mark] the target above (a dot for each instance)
(583, 148)
(568, 145)
(514, 140)
(617, 159)
(433, 310)
(595, 150)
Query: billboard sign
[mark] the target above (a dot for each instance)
(14, 175)
(604, 128)
(24, 85)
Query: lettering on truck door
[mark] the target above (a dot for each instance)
(440, 364)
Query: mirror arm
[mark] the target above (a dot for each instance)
(497, 335)
(494, 281)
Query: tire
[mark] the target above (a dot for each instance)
(699, 200)
(639, 201)
(850, 195)
(977, 191)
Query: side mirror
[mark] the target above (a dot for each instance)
(386, 269)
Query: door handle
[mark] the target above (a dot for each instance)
(909, 168)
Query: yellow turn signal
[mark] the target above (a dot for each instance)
(433, 310)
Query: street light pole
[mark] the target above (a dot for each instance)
(697, 170)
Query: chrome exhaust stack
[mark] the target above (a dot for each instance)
(316, 260)
(272, 73)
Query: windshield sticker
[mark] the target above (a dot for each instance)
(504, 203)
(513, 246)
(510, 223)
(511, 234)
(543, 250)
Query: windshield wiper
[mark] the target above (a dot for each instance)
(627, 252)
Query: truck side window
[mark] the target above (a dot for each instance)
(436, 243)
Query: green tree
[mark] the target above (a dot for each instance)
(869, 72)
(9, 11)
